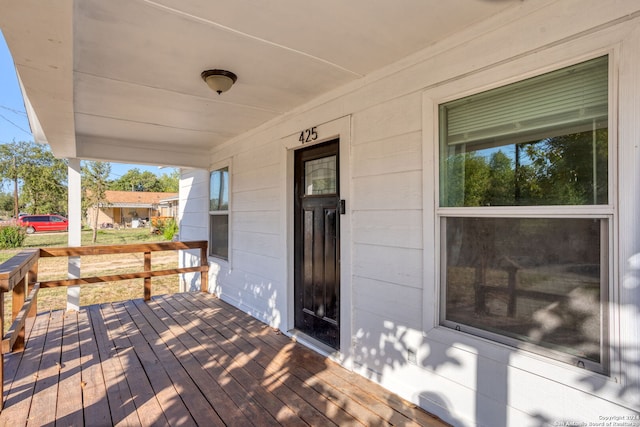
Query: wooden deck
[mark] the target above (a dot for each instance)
(184, 359)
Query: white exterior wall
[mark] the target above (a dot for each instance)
(255, 275)
(193, 220)
(390, 246)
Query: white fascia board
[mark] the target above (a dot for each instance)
(112, 150)
(34, 123)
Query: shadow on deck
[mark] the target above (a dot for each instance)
(183, 359)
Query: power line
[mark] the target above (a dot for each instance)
(25, 131)
(14, 110)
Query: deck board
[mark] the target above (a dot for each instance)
(219, 409)
(196, 403)
(184, 360)
(148, 408)
(175, 411)
(19, 392)
(69, 399)
(254, 402)
(118, 394)
(268, 359)
(46, 388)
(340, 407)
(95, 405)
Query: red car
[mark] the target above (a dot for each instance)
(34, 223)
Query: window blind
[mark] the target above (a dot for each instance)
(573, 98)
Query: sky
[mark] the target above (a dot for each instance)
(14, 125)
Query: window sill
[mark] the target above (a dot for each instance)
(526, 361)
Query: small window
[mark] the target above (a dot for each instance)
(219, 213)
(320, 176)
(538, 283)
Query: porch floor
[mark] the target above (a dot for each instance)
(183, 359)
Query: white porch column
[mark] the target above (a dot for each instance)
(75, 228)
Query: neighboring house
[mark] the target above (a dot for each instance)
(439, 195)
(168, 206)
(124, 208)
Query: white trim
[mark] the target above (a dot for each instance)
(339, 128)
(626, 328)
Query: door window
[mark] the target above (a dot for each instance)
(320, 176)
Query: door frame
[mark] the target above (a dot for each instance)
(336, 129)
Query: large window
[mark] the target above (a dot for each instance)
(219, 213)
(524, 262)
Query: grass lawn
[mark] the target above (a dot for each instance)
(56, 268)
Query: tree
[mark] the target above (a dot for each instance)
(500, 191)
(12, 157)
(467, 180)
(571, 169)
(95, 181)
(135, 180)
(568, 169)
(41, 177)
(6, 203)
(44, 188)
(170, 182)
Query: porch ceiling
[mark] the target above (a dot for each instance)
(119, 80)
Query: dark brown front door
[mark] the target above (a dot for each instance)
(317, 249)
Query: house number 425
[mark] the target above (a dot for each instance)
(308, 135)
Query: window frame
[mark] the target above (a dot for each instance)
(437, 325)
(226, 212)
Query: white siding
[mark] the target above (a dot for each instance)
(193, 220)
(399, 228)
(253, 276)
(392, 254)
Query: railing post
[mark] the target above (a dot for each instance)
(73, 292)
(204, 273)
(16, 305)
(33, 279)
(1, 353)
(147, 280)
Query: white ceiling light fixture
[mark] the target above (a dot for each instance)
(219, 80)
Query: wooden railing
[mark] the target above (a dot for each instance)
(19, 275)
